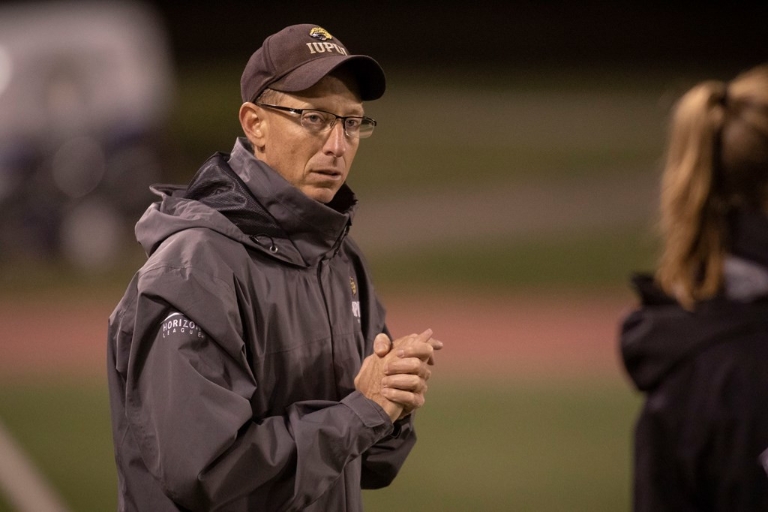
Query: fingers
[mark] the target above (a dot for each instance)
(418, 345)
(408, 400)
(423, 351)
(406, 370)
(412, 339)
(407, 366)
(407, 391)
(424, 336)
(436, 344)
(405, 382)
(395, 376)
(368, 382)
(382, 345)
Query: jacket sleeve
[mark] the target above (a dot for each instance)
(659, 483)
(699, 436)
(188, 407)
(383, 461)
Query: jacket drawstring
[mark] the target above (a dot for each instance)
(272, 247)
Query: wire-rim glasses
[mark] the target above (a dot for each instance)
(318, 121)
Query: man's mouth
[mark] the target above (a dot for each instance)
(329, 173)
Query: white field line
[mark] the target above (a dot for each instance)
(21, 484)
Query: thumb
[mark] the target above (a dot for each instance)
(382, 345)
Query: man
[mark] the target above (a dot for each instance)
(241, 366)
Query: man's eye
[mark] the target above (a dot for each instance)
(314, 118)
(353, 123)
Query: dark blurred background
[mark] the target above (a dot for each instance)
(434, 34)
(111, 96)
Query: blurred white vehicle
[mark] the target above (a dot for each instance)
(84, 96)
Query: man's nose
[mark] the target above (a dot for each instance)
(336, 144)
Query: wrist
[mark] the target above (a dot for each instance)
(392, 409)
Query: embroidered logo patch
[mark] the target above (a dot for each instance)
(320, 33)
(176, 324)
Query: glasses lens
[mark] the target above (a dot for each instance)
(316, 121)
(365, 128)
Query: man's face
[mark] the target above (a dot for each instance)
(316, 164)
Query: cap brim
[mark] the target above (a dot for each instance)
(369, 75)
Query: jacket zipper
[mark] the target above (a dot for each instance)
(330, 324)
(320, 265)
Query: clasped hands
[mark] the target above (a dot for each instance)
(395, 376)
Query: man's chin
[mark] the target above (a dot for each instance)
(320, 194)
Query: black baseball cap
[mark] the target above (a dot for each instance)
(297, 57)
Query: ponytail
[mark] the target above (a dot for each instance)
(717, 162)
(692, 212)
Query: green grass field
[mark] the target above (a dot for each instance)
(546, 446)
(503, 445)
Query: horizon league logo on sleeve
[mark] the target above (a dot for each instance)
(176, 324)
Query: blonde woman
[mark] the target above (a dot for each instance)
(697, 346)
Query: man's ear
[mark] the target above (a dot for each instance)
(252, 122)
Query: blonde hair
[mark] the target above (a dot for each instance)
(716, 162)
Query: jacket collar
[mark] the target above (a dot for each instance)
(314, 228)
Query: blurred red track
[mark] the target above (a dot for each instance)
(550, 336)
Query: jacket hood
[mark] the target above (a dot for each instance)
(661, 333)
(242, 198)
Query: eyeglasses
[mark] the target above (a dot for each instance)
(319, 121)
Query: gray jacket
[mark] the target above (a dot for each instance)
(232, 355)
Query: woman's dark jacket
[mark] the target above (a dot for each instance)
(704, 423)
